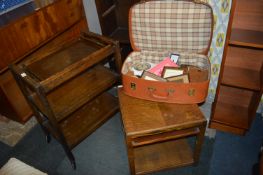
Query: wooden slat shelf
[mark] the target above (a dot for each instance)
(86, 53)
(91, 116)
(79, 91)
(63, 56)
(150, 139)
(243, 68)
(243, 37)
(151, 158)
(232, 108)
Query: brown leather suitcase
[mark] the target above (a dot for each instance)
(159, 28)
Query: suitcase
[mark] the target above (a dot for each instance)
(158, 29)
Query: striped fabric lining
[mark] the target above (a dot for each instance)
(192, 59)
(171, 25)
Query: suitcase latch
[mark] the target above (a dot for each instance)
(133, 86)
(191, 92)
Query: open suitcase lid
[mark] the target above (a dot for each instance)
(159, 28)
(182, 26)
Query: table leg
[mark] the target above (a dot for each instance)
(130, 154)
(199, 142)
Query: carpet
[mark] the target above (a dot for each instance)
(236, 155)
(4, 152)
(104, 152)
(33, 150)
(12, 132)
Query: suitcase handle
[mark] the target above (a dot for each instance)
(158, 96)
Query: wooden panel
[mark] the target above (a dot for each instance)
(88, 118)
(248, 15)
(162, 156)
(37, 28)
(241, 37)
(6, 107)
(232, 107)
(243, 68)
(13, 104)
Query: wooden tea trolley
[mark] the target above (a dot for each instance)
(67, 88)
(156, 133)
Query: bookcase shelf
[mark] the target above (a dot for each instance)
(242, 68)
(243, 37)
(232, 108)
(239, 87)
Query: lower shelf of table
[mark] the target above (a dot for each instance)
(160, 156)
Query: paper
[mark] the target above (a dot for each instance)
(157, 70)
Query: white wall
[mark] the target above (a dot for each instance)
(92, 16)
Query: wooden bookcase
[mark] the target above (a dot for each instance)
(240, 81)
(113, 18)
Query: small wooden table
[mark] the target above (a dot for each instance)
(156, 134)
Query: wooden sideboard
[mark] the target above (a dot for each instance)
(31, 35)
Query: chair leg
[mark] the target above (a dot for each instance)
(71, 159)
(48, 138)
(47, 133)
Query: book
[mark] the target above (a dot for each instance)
(158, 69)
